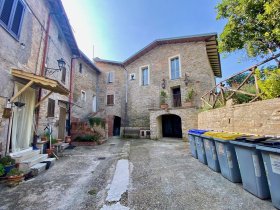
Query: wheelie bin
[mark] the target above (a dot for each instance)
(251, 165)
(270, 150)
(192, 134)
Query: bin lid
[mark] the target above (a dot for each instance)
(268, 148)
(228, 136)
(272, 142)
(252, 138)
(196, 131)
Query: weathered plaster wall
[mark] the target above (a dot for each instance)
(194, 62)
(24, 53)
(188, 120)
(262, 117)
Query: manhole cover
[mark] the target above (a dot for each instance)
(101, 158)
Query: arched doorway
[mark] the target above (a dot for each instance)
(171, 126)
(117, 126)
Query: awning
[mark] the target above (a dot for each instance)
(40, 81)
(32, 80)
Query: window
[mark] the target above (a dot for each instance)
(175, 68)
(83, 95)
(110, 99)
(145, 76)
(51, 107)
(110, 78)
(81, 68)
(94, 104)
(11, 15)
(63, 75)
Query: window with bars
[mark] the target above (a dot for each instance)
(110, 99)
(110, 78)
(63, 75)
(51, 108)
(11, 16)
(175, 68)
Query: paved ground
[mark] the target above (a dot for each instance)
(136, 174)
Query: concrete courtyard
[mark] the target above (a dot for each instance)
(129, 174)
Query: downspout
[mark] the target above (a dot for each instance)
(42, 72)
(126, 96)
(72, 69)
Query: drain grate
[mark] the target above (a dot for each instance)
(101, 158)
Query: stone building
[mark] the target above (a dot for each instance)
(179, 67)
(85, 89)
(37, 55)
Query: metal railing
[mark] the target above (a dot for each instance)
(222, 92)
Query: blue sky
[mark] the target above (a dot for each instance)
(119, 28)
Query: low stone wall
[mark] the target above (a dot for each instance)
(261, 117)
(188, 119)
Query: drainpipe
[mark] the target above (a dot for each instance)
(126, 93)
(72, 69)
(42, 72)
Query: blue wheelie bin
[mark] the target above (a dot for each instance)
(192, 134)
(270, 150)
(210, 151)
(251, 165)
(227, 157)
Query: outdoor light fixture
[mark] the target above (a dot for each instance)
(19, 104)
(61, 65)
(163, 84)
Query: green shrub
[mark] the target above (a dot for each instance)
(7, 161)
(96, 121)
(14, 172)
(88, 138)
(240, 98)
(2, 170)
(269, 83)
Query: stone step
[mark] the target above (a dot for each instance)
(26, 164)
(20, 157)
(50, 162)
(64, 146)
(38, 168)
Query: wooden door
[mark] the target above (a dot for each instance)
(62, 122)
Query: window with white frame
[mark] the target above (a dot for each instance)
(110, 77)
(11, 16)
(144, 76)
(175, 70)
(83, 96)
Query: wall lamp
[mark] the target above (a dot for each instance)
(61, 65)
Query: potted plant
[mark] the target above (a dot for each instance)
(189, 97)
(8, 163)
(163, 97)
(14, 177)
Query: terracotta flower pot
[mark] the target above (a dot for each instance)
(14, 180)
(164, 106)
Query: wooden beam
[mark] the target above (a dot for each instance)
(207, 102)
(22, 90)
(241, 91)
(44, 98)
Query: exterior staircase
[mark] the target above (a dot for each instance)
(31, 160)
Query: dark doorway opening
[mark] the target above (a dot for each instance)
(176, 97)
(117, 126)
(171, 126)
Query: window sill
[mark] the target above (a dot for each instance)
(110, 104)
(16, 38)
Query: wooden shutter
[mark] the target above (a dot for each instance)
(51, 107)
(17, 18)
(110, 99)
(63, 76)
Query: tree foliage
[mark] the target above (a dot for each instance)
(251, 24)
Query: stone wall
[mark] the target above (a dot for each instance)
(194, 63)
(86, 80)
(116, 88)
(262, 117)
(188, 120)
